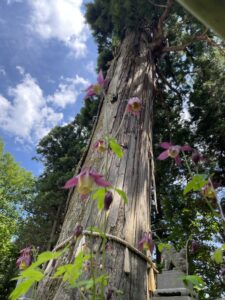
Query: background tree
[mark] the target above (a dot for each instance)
(16, 188)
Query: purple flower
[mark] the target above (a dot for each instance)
(146, 242)
(194, 246)
(134, 106)
(96, 89)
(100, 146)
(196, 157)
(108, 200)
(25, 259)
(172, 151)
(86, 180)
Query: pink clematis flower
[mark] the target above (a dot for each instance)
(134, 106)
(146, 243)
(96, 89)
(172, 151)
(100, 146)
(85, 182)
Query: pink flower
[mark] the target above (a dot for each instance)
(96, 89)
(134, 106)
(85, 181)
(172, 151)
(100, 146)
(146, 243)
(25, 259)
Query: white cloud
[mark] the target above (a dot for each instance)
(68, 92)
(20, 70)
(61, 19)
(90, 67)
(27, 116)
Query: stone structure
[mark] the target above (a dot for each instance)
(171, 287)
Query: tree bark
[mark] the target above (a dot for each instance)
(131, 74)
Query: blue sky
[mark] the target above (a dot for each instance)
(47, 59)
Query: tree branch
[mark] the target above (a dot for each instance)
(201, 37)
(164, 16)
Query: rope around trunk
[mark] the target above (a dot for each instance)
(110, 237)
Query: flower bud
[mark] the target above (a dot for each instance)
(109, 294)
(108, 200)
(78, 230)
(194, 246)
(196, 157)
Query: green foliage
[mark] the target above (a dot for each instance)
(197, 182)
(218, 255)
(71, 272)
(115, 147)
(122, 195)
(99, 195)
(16, 188)
(29, 277)
(162, 246)
(194, 281)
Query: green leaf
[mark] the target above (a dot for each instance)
(197, 182)
(122, 195)
(195, 280)
(44, 257)
(162, 246)
(218, 255)
(21, 289)
(35, 274)
(71, 272)
(99, 195)
(115, 147)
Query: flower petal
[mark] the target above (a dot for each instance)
(101, 182)
(90, 91)
(71, 183)
(186, 148)
(163, 155)
(165, 145)
(100, 78)
(178, 160)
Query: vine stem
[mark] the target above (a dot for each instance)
(186, 163)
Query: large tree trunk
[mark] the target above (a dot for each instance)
(132, 73)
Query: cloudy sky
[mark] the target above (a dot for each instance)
(47, 59)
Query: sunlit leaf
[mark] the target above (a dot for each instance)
(163, 246)
(99, 195)
(122, 195)
(115, 147)
(198, 181)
